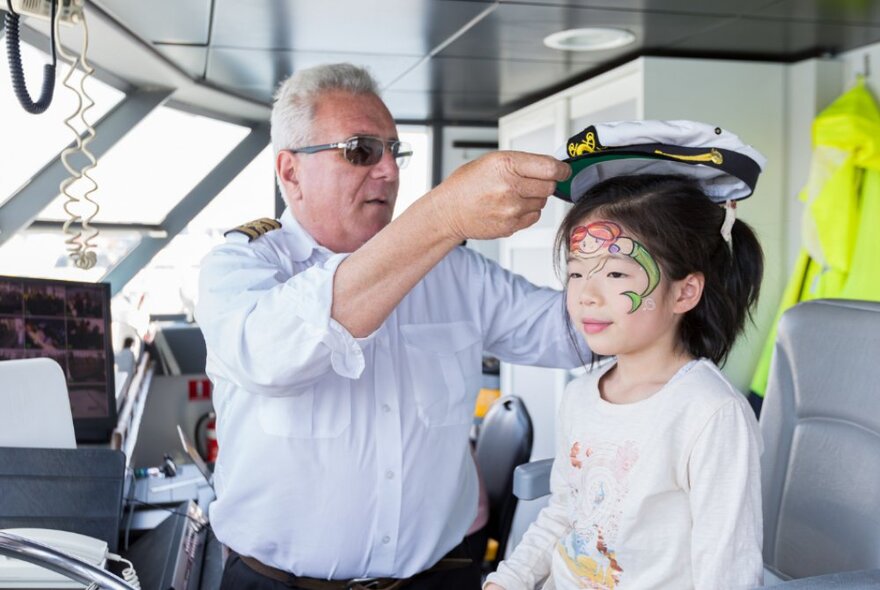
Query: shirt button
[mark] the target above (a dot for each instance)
(389, 474)
(386, 539)
(386, 408)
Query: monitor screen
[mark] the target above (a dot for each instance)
(68, 322)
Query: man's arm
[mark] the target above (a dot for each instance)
(269, 332)
(491, 197)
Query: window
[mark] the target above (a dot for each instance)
(31, 141)
(154, 166)
(169, 283)
(415, 179)
(139, 181)
(42, 253)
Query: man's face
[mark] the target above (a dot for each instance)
(342, 205)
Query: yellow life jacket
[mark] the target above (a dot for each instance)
(841, 242)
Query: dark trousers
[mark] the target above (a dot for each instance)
(238, 576)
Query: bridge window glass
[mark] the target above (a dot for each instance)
(29, 142)
(154, 166)
(415, 179)
(42, 253)
(169, 283)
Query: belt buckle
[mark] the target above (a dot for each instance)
(363, 584)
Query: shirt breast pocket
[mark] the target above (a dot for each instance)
(444, 362)
(308, 414)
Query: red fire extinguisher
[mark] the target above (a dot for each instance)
(206, 437)
(212, 449)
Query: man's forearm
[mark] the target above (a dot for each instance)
(370, 283)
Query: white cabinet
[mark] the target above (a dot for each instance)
(747, 98)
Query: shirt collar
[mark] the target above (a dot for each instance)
(301, 243)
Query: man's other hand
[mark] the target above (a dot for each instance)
(497, 194)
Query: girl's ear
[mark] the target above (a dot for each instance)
(688, 292)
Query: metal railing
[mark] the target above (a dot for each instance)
(51, 559)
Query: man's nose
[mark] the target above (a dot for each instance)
(386, 167)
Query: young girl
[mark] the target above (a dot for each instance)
(656, 482)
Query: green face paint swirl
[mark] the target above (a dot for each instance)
(601, 239)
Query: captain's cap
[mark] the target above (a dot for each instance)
(725, 168)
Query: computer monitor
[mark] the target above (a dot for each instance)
(68, 322)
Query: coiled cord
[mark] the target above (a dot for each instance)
(13, 51)
(80, 243)
(128, 573)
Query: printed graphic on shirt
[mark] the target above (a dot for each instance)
(599, 483)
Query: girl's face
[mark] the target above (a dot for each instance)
(618, 300)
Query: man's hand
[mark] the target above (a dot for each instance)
(497, 194)
(492, 587)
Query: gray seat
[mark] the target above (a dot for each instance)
(505, 441)
(34, 405)
(821, 464)
(821, 428)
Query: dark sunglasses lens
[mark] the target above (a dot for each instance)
(364, 151)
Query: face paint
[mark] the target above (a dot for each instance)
(601, 239)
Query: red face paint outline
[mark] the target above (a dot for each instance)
(600, 239)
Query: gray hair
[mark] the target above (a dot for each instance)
(296, 98)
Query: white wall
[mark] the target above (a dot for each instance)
(854, 64)
(748, 99)
(811, 85)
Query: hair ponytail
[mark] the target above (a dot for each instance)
(730, 292)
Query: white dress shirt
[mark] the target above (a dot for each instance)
(344, 457)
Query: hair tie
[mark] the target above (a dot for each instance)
(729, 220)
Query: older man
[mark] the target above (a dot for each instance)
(345, 349)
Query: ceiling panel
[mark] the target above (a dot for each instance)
(451, 107)
(785, 39)
(410, 105)
(411, 27)
(258, 71)
(248, 46)
(164, 21)
(516, 31)
(511, 78)
(192, 59)
(711, 7)
(854, 12)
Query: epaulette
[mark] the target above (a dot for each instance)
(256, 228)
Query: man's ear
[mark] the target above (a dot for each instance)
(688, 292)
(286, 169)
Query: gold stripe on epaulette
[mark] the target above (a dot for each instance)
(256, 228)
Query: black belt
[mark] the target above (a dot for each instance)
(279, 575)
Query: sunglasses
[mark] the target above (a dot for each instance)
(364, 150)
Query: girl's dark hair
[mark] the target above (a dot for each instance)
(681, 228)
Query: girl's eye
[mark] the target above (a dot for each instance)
(616, 275)
(574, 275)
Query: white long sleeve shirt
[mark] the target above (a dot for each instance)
(661, 493)
(343, 457)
